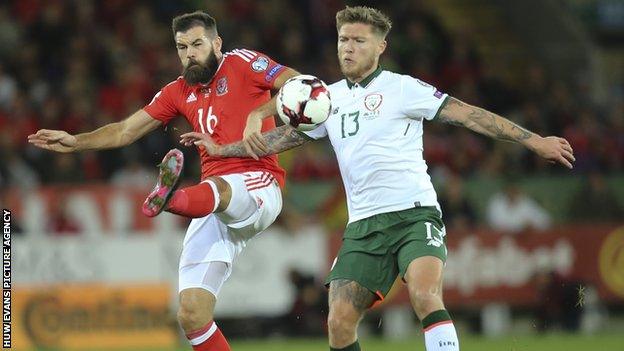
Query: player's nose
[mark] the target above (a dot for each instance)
(348, 47)
(190, 53)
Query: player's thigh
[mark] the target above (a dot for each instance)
(367, 262)
(424, 276)
(208, 276)
(207, 239)
(421, 262)
(269, 200)
(257, 189)
(423, 236)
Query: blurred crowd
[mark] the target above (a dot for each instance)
(77, 65)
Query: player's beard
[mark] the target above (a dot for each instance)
(354, 73)
(198, 72)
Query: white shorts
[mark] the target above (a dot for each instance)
(215, 238)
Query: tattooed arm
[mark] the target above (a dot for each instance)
(278, 139)
(552, 148)
(481, 121)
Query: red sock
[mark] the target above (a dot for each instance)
(195, 201)
(208, 338)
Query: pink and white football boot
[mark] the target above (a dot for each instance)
(168, 178)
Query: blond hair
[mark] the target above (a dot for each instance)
(361, 14)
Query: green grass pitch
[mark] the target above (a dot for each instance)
(550, 342)
(527, 343)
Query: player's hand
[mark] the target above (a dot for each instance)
(202, 141)
(54, 140)
(253, 141)
(555, 150)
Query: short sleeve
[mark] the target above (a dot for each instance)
(317, 133)
(259, 68)
(162, 107)
(419, 99)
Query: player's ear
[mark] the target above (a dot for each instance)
(217, 44)
(382, 46)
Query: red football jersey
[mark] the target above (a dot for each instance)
(242, 82)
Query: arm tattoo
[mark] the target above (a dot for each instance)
(233, 150)
(279, 139)
(481, 121)
(497, 126)
(284, 138)
(444, 116)
(352, 292)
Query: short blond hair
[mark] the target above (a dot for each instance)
(367, 15)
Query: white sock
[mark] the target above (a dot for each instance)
(441, 336)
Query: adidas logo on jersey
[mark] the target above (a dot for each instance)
(191, 98)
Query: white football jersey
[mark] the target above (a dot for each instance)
(376, 130)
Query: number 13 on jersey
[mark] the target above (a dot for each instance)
(350, 124)
(209, 123)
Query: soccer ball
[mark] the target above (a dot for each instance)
(303, 102)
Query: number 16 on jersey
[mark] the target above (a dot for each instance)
(209, 123)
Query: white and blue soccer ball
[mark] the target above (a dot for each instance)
(303, 102)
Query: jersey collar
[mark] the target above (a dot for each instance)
(366, 81)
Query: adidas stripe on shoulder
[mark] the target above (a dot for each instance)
(246, 55)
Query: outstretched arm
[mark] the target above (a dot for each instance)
(110, 136)
(552, 148)
(278, 139)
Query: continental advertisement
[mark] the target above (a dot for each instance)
(93, 316)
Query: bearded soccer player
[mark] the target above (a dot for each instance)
(237, 197)
(395, 222)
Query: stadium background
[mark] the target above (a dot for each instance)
(89, 270)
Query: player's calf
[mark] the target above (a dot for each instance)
(424, 284)
(195, 316)
(425, 299)
(348, 301)
(342, 323)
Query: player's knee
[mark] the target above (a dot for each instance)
(191, 318)
(342, 320)
(223, 187)
(425, 300)
(225, 192)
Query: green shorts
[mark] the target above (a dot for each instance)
(377, 249)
